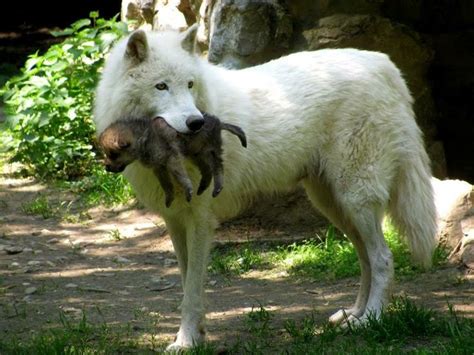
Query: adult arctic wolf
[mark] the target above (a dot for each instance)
(338, 121)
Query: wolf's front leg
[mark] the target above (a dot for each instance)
(192, 236)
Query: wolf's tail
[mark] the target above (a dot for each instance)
(412, 205)
(237, 131)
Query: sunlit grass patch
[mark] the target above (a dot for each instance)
(38, 206)
(101, 187)
(402, 327)
(328, 257)
(80, 337)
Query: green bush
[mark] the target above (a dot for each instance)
(50, 103)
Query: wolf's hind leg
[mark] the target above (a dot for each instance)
(320, 194)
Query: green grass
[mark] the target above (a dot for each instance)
(80, 337)
(404, 327)
(100, 188)
(329, 257)
(38, 206)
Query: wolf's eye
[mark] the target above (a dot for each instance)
(161, 86)
(190, 84)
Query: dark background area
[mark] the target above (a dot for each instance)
(447, 25)
(59, 13)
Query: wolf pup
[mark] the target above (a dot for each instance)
(154, 143)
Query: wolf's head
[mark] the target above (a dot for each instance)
(152, 74)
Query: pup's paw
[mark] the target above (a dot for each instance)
(189, 194)
(168, 200)
(217, 190)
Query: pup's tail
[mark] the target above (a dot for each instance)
(237, 131)
(412, 205)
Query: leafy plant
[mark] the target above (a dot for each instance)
(38, 206)
(50, 102)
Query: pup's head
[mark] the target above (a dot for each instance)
(117, 142)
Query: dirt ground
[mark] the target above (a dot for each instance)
(117, 265)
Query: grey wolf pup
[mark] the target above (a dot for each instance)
(158, 146)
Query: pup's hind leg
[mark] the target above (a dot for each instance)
(206, 173)
(162, 174)
(321, 195)
(178, 171)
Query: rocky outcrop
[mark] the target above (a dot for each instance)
(245, 32)
(455, 208)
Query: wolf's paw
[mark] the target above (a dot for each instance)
(345, 315)
(186, 340)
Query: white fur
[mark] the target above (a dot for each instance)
(339, 121)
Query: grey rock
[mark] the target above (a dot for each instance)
(31, 290)
(121, 260)
(12, 250)
(244, 32)
(170, 262)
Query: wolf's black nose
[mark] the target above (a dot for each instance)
(195, 123)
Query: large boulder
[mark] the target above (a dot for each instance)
(455, 207)
(245, 32)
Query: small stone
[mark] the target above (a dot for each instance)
(162, 286)
(37, 251)
(123, 293)
(95, 289)
(212, 282)
(53, 241)
(74, 312)
(34, 263)
(121, 260)
(31, 290)
(27, 299)
(105, 274)
(70, 285)
(50, 263)
(36, 233)
(14, 264)
(170, 262)
(11, 250)
(28, 250)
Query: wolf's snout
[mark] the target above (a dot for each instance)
(195, 123)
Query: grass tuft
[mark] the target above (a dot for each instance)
(327, 257)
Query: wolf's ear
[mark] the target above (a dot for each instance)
(189, 38)
(137, 47)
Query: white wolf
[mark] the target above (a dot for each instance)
(339, 121)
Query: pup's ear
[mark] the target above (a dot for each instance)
(189, 38)
(137, 47)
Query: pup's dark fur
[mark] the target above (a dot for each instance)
(155, 144)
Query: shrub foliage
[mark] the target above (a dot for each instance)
(50, 102)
